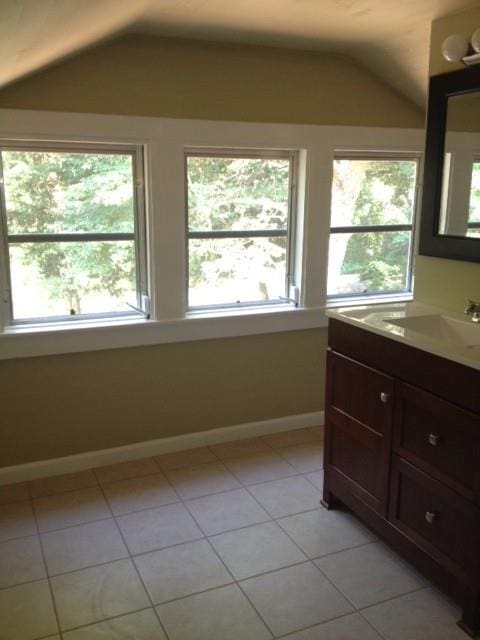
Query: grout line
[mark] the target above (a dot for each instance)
(135, 567)
(50, 588)
(72, 526)
(399, 595)
(288, 635)
(157, 506)
(61, 493)
(372, 626)
(196, 593)
(180, 500)
(184, 502)
(95, 470)
(236, 582)
(305, 475)
(296, 475)
(120, 615)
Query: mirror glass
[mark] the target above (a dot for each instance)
(460, 202)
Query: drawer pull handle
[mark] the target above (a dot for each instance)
(433, 439)
(430, 516)
(384, 397)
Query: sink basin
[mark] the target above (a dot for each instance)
(462, 333)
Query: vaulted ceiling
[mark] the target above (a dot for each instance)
(390, 37)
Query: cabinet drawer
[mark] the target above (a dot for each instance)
(438, 437)
(440, 521)
(360, 392)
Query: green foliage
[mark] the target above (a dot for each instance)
(54, 192)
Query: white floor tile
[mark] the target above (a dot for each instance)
(182, 570)
(124, 470)
(286, 496)
(20, 561)
(202, 480)
(221, 614)
(135, 494)
(260, 467)
(226, 511)
(253, 550)
(321, 532)
(293, 598)
(369, 574)
(91, 595)
(142, 625)
(69, 509)
(16, 520)
(26, 612)
(350, 627)
(157, 528)
(423, 615)
(83, 546)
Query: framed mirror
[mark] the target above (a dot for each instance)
(450, 220)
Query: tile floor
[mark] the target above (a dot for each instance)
(226, 542)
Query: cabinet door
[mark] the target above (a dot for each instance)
(439, 437)
(358, 429)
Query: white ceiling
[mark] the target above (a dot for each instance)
(390, 37)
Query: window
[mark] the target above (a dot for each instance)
(473, 224)
(74, 232)
(240, 221)
(373, 205)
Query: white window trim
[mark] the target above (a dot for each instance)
(165, 141)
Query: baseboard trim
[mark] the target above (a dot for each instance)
(90, 459)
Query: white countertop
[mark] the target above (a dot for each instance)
(375, 318)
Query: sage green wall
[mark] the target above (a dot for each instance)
(448, 283)
(60, 405)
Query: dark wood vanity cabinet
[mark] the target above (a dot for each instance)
(402, 451)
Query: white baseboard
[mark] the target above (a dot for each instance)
(90, 459)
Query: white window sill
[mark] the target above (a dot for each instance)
(72, 337)
(368, 300)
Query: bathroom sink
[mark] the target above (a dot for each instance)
(462, 333)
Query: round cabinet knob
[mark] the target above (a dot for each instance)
(430, 516)
(384, 397)
(433, 439)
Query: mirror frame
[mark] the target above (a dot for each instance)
(431, 242)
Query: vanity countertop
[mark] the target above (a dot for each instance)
(446, 334)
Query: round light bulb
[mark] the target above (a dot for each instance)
(454, 48)
(475, 40)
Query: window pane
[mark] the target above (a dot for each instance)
(474, 210)
(60, 192)
(237, 193)
(373, 192)
(229, 271)
(368, 262)
(51, 279)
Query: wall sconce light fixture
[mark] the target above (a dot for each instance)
(457, 48)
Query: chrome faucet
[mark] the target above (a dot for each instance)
(473, 309)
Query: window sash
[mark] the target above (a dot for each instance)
(138, 236)
(383, 228)
(288, 233)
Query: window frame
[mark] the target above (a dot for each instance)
(164, 141)
(357, 297)
(289, 233)
(475, 224)
(138, 236)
